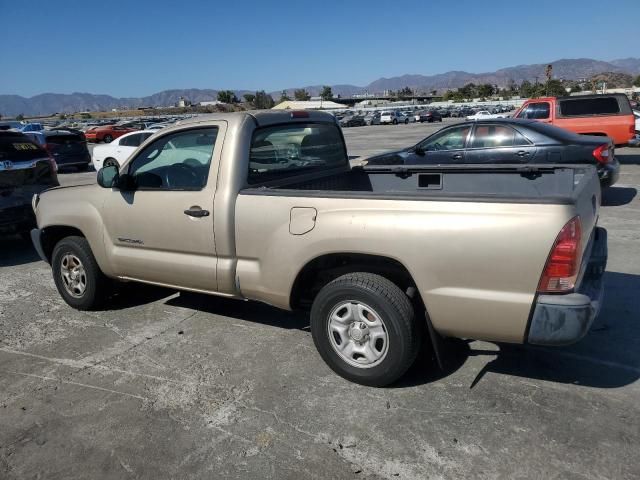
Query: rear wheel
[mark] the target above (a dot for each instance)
(77, 275)
(363, 327)
(406, 121)
(395, 122)
(109, 162)
(107, 139)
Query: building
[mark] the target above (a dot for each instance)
(307, 105)
(210, 103)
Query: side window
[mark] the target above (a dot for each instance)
(130, 141)
(536, 111)
(493, 136)
(590, 106)
(179, 161)
(450, 139)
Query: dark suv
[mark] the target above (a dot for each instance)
(25, 169)
(67, 147)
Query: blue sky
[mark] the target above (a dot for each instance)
(136, 48)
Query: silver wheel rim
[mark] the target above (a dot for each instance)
(74, 278)
(358, 334)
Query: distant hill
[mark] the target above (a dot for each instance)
(570, 69)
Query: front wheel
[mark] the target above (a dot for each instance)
(363, 327)
(77, 275)
(107, 139)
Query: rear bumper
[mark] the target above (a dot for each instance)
(565, 319)
(609, 173)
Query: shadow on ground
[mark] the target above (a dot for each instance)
(16, 250)
(618, 196)
(608, 357)
(629, 158)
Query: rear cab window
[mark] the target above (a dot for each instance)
(283, 151)
(589, 106)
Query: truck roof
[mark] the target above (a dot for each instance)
(263, 117)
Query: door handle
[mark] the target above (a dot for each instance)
(196, 212)
(522, 153)
(456, 156)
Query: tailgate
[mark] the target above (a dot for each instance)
(587, 203)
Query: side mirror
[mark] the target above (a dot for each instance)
(419, 151)
(108, 177)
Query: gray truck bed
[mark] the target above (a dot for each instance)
(507, 183)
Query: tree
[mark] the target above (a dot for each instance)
(262, 100)
(406, 92)
(485, 90)
(326, 93)
(554, 88)
(468, 91)
(454, 95)
(301, 94)
(227, 96)
(19, 117)
(249, 97)
(636, 81)
(284, 97)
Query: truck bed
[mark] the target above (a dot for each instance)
(558, 184)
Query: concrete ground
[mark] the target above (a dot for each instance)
(170, 385)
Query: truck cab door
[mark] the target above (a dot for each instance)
(159, 226)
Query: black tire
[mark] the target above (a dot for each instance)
(83, 168)
(109, 161)
(97, 284)
(107, 139)
(406, 121)
(395, 122)
(391, 305)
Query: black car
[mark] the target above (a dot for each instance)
(508, 141)
(353, 121)
(430, 116)
(25, 169)
(68, 147)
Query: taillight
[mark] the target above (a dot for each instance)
(602, 154)
(561, 271)
(299, 114)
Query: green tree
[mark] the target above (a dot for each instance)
(555, 88)
(263, 101)
(485, 90)
(326, 93)
(636, 81)
(454, 95)
(468, 91)
(406, 92)
(284, 97)
(19, 117)
(301, 94)
(249, 97)
(227, 96)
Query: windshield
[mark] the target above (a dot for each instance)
(286, 150)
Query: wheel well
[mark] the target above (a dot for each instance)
(52, 235)
(322, 270)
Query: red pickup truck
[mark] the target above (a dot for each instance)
(608, 115)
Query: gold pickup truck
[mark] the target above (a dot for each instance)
(266, 206)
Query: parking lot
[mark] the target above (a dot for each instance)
(175, 385)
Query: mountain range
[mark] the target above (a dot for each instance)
(569, 69)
